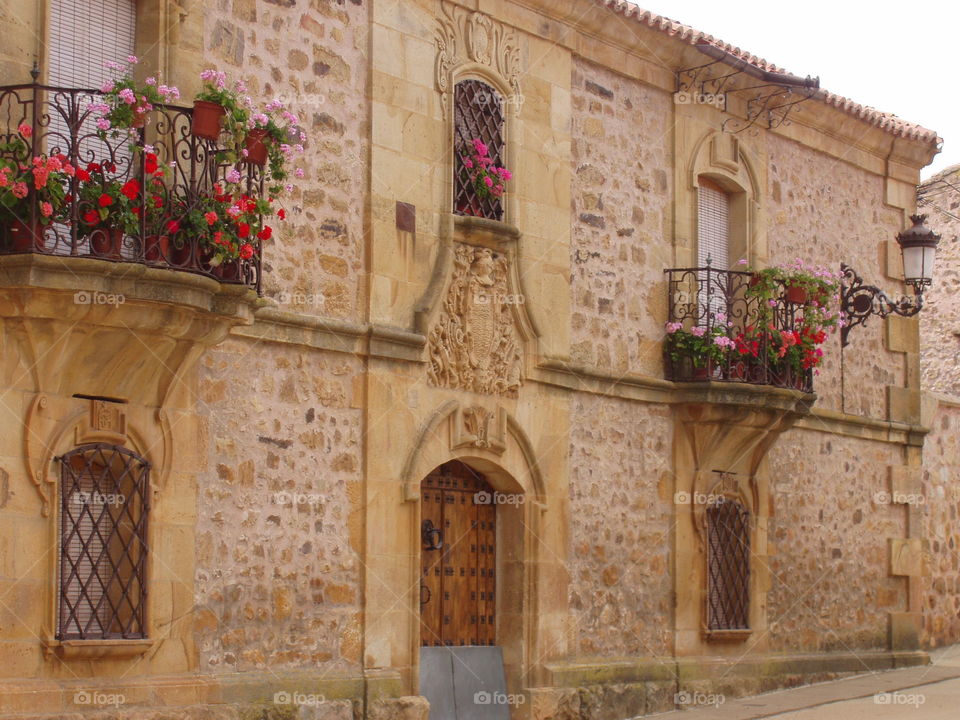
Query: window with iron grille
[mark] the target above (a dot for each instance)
(478, 113)
(104, 503)
(728, 566)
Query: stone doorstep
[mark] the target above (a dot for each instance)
(783, 701)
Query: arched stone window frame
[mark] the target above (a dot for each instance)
(511, 131)
(57, 426)
(724, 160)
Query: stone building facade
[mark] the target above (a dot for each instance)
(291, 437)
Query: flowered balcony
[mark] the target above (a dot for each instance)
(761, 328)
(153, 193)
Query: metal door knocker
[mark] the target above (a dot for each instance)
(432, 536)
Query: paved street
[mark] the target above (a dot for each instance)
(927, 693)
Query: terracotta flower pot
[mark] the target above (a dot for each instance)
(796, 294)
(25, 237)
(207, 119)
(701, 373)
(106, 243)
(156, 248)
(181, 253)
(228, 271)
(256, 145)
(139, 120)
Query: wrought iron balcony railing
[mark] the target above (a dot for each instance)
(720, 330)
(43, 121)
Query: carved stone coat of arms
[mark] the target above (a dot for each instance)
(475, 345)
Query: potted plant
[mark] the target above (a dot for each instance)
(221, 108)
(275, 136)
(32, 194)
(109, 208)
(487, 179)
(702, 347)
(127, 102)
(226, 227)
(157, 208)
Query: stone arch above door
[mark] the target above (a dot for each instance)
(484, 435)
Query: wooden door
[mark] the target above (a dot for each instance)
(457, 558)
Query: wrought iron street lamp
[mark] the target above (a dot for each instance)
(918, 245)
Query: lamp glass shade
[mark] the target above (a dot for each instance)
(918, 263)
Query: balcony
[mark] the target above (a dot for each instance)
(162, 170)
(722, 329)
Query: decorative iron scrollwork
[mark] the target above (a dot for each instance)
(858, 302)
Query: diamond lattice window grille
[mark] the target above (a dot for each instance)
(728, 566)
(104, 503)
(478, 114)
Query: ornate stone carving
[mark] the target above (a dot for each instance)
(479, 427)
(465, 36)
(108, 417)
(476, 422)
(475, 345)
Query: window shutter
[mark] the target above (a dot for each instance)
(84, 36)
(713, 226)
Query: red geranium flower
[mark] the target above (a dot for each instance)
(91, 217)
(83, 175)
(246, 251)
(150, 163)
(105, 200)
(93, 167)
(243, 230)
(131, 188)
(211, 217)
(282, 214)
(266, 233)
(173, 226)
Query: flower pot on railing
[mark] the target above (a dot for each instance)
(106, 243)
(256, 146)
(156, 248)
(207, 119)
(796, 294)
(25, 237)
(228, 271)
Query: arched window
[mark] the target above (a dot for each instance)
(728, 565)
(104, 503)
(478, 115)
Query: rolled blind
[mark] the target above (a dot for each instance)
(86, 34)
(713, 226)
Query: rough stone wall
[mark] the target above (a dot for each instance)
(312, 55)
(941, 512)
(824, 211)
(830, 588)
(278, 572)
(621, 203)
(939, 198)
(620, 528)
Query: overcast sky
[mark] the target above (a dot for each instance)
(899, 57)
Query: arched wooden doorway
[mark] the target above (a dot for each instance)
(458, 558)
